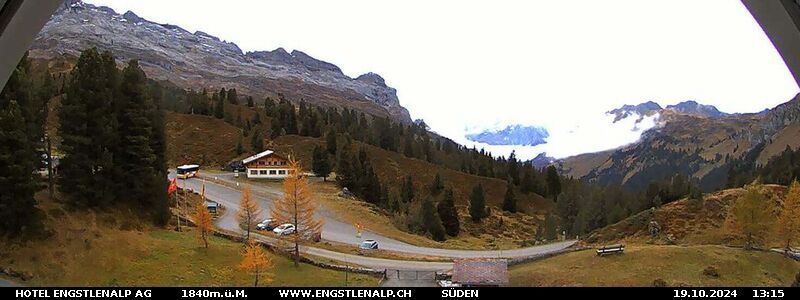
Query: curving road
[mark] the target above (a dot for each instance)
(337, 231)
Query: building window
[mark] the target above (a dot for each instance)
(282, 172)
(271, 172)
(263, 172)
(253, 172)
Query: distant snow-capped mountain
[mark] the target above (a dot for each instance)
(512, 135)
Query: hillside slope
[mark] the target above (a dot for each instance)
(683, 224)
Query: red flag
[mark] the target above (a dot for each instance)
(173, 186)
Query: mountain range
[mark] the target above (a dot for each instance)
(512, 135)
(691, 139)
(199, 60)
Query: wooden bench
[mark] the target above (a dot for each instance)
(611, 249)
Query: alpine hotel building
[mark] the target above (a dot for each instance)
(267, 164)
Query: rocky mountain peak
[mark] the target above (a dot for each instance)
(642, 109)
(199, 60)
(132, 17)
(691, 107)
(372, 78)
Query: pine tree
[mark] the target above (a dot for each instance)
(250, 102)
(239, 146)
(407, 190)
(437, 185)
(789, 219)
(528, 182)
(345, 174)
(219, 105)
(320, 164)
(136, 158)
(88, 131)
(431, 222)
(510, 201)
(477, 204)
(256, 261)
(17, 185)
(297, 207)
(553, 182)
(751, 216)
(330, 141)
(550, 231)
(257, 142)
(513, 168)
(248, 212)
(448, 213)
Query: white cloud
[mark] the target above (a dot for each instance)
(460, 64)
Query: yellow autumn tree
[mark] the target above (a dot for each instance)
(751, 216)
(789, 220)
(297, 207)
(256, 261)
(203, 221)
(248, 212)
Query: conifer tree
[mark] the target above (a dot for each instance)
(553, 182)
(248, 213)
(430, 221)
(88, 131)
(437, 185)
(320, 164)
(330, 141)
(550, 230)
(513, 168)
(407, 190)
(250, 102)
(477, 204)
(232, 97)
(448, 213)
(219, 105)
(751, 216)
(256, 261)
(257, 142)
(510, 201)
(203, 221)
(789, 219)
(297, 207)
(17, 185)
(136, 158)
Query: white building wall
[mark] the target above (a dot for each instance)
(267, 173)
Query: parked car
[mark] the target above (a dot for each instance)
(267, 224)
(284, 229)
(369, 245)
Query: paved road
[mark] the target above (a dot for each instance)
(6, 283)
(338, 231)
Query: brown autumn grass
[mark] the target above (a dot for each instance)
(110, 248)
(640, 265)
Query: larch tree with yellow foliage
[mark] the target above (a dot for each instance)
(751, 216)
(297, 207)
(256, 261)
(789, 220)
(248, 212)
(203, 220)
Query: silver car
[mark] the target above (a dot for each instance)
(369, 245)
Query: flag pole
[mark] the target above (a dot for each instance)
(178, 204)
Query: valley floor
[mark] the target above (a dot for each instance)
(641, 265)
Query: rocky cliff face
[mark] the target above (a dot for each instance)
(198, 60)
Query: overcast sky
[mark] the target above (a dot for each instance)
(464, 64)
